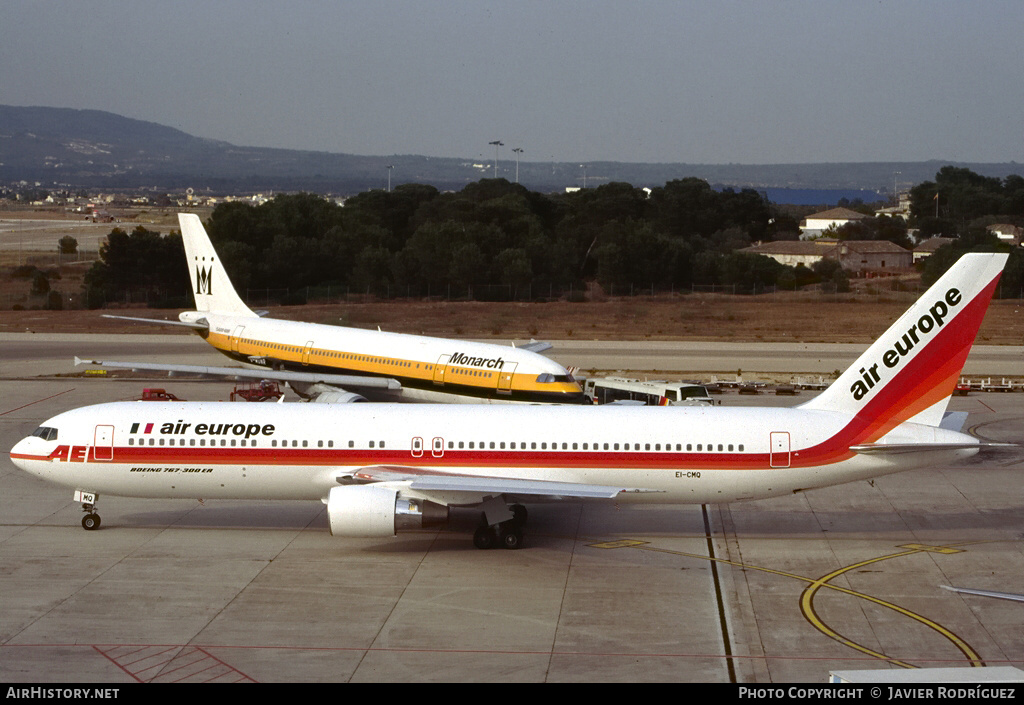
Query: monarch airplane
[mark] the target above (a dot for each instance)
(385, 468)
(321, 361)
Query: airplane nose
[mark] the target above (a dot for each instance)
(20, 450)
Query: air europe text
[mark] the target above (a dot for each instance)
(917, 334)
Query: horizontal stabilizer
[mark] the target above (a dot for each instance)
(900, 448)
(953, 420)
(239, 372)
(157, 321)
(985, 593)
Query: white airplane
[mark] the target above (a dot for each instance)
(322, 361)
(384, 468)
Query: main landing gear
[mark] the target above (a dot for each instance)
(508, 533)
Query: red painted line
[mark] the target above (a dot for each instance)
(104, 655)
(226, 665)
(23, 406)
(184, 665)
(144, 658)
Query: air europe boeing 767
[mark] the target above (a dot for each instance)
(384, 468)
(328, 362)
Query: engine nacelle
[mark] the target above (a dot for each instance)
(338, 397)
(368, 511)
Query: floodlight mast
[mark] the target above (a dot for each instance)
(496, 143)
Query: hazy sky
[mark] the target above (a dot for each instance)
(711, 81)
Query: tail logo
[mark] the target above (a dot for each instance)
(903, 346)
(204, 280)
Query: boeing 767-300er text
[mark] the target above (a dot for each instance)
(381, 468)
(325, 362)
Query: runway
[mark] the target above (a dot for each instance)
(781, 590)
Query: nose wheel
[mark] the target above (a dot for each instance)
(91, 520)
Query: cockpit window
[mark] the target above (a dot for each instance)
(46, 433)
(548, 378)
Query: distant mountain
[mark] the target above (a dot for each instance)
(96, 149)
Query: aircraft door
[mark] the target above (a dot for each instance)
(417, 447)
(780, 449)
(437, 448)
(306, 351)
(505, 376)
(236, 335)
(103, 443)
(440, 368)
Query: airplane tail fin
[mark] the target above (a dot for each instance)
(210, 283)
(909, 373)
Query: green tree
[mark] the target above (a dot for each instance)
(67, 245)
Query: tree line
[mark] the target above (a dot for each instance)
(419, 241)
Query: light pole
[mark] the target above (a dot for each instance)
(584, 167)
(390, 167)
(895, 191)
(518, 151)
(496, 143)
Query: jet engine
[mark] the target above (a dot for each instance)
(325, 393)
(338, 397)
(368, 511)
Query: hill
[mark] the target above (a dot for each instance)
(97, 149)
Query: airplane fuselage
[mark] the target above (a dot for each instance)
(429, 369)
(299, 451)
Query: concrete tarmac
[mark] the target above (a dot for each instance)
(778, 590)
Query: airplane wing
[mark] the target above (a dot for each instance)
(535, 346)
(199, 325)
(426, 481)
(240, 372)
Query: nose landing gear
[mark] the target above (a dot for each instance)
(91, 520)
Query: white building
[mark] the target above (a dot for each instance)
(817, 223)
